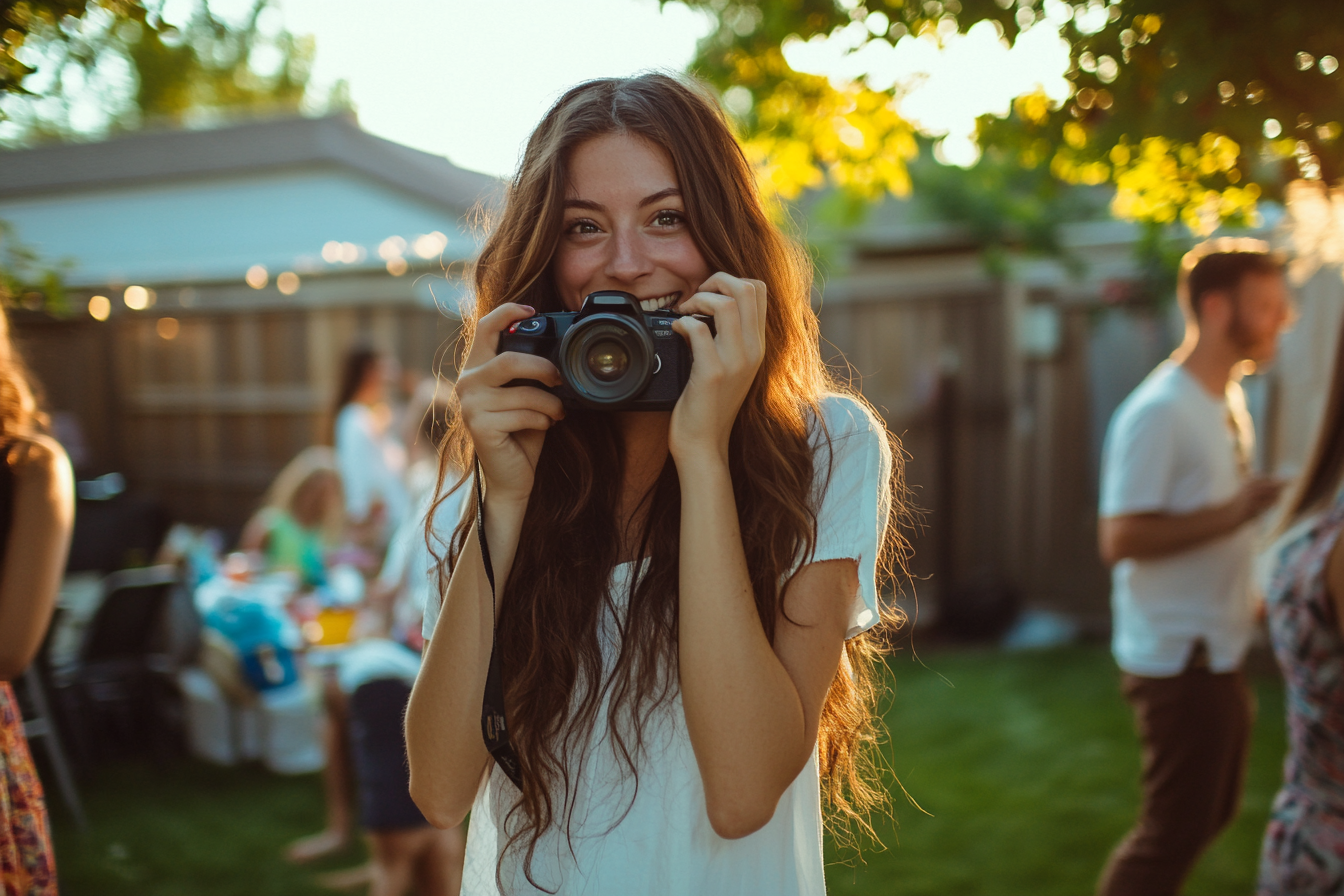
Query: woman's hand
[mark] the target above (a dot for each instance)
(507, 425)
(724, 364)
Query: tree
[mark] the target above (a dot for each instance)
(140, 70)
(61, 59)
(1191, 109)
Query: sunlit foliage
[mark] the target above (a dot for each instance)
(1192, 110)
(27, 280)
(116, 66)
(803, 126)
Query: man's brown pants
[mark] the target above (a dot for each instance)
(1195, 729)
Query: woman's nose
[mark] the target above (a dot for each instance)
(628, 260)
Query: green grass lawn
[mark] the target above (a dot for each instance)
(1027, 764)
(1028, 767)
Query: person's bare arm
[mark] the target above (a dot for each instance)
(1334, 581)
(1150, 536)
(752, 709)
(35, 552)
(256, 533)
(444, 742)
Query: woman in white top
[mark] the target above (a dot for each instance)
(370, 458)
(684, 596)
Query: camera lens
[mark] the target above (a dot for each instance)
(608, 360)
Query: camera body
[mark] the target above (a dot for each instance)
(612, 355)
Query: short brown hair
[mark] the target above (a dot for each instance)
(1221, 265)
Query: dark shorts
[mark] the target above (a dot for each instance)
(378, 748)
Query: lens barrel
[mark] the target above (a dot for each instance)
(606, 359)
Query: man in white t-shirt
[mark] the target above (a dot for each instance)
(1177, 498)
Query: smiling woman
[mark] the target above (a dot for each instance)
(616, 237)
(685, 599)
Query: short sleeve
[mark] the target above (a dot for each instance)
(446, 519)
(1138, 460)
(853, 472)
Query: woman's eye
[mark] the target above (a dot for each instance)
(581, 226)
(668, 219)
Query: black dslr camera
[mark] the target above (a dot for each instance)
(612, 356)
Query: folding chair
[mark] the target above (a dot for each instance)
(121, 664)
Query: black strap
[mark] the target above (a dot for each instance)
(493, 725)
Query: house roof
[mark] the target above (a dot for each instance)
(207, 206)
(158, 156)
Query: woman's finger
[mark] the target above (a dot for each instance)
(485, 344)
(727, 318)
(522, 398)
(749, 295)
(508, 366)
(704, 355)
(726, 284)
(754, 318)
(516, 420)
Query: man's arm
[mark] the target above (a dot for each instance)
(1149, 536)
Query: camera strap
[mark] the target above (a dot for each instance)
(493, 725)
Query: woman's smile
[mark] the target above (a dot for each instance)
(659, 303)
(626, 226)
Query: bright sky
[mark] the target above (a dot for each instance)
(469, 79)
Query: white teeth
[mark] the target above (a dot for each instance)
(657, 304)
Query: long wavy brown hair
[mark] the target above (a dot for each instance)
(20, 412)
(557, 592)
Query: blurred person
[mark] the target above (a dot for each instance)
(362, 745)
(401, 590)
(1303, 852)
(36, 516)
(684, 596)
(1177, 499)
(302, 517)
(370, 458)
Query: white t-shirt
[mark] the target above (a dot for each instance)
(1171, 448)
(371, 463)
(655, 839)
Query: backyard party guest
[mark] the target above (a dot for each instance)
(1177, 497)
(1303, 852)
(36, 516)
(370, 458)
(302, 517)
(385, 647)
(685, 596)
(399, 595)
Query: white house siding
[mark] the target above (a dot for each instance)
(214, 229)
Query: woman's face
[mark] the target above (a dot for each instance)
(625, 227)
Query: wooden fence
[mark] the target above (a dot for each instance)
(204, 420)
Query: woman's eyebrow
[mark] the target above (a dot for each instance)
(659, 196)
(585, 203)
(647, 200)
